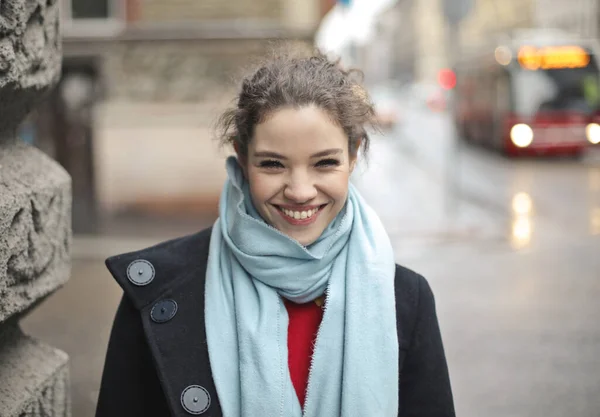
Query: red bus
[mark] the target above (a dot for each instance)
(537, 94)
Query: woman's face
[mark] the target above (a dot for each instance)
(298, 168)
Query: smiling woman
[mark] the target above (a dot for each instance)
(300, 188)
(291, 304)
(297, 129)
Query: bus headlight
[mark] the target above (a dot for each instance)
(592, 131)
(521, 135)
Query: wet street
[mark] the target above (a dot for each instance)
(511, 249)
(513, 256)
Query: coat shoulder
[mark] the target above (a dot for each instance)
(146, 274)
(408, 284)
(411, 288)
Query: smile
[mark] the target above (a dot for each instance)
(300, 217)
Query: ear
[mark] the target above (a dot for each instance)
(354, 156)
(242, 159)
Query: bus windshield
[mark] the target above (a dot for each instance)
(556, 90)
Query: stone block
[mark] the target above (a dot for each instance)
(30, 57)
(35, 227)
(34, 377)
(35, 213)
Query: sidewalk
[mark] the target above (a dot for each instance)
(416, 206)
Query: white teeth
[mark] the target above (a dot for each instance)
(300, 214)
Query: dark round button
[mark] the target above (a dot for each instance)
(140, 272)
(195, 399)
(163, 311)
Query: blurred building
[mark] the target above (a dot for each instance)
(576, 16)
(410, 38)
(430, 39)
(411, 35)
(391, 51)
(179, 50)
(489, 20)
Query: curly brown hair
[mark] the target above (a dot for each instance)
(288, 81)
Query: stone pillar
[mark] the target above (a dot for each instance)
(35, 214)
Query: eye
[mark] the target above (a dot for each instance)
(328, 163)
(270, 163)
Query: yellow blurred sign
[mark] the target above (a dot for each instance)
(553, 57)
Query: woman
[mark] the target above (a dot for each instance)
(291, 304)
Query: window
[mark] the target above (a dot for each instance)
(90, 9)
(568, 89)
(92, 18)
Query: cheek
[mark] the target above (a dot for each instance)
(262, 187)
(337, 187)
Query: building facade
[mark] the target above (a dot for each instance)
(411, 41)
(391, 52)
(490, 20)
(576, 16)
(179, 50)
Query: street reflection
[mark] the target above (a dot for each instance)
(521, 204)
(594, 180)
(522, 207)
(521, 232)
(594, 188)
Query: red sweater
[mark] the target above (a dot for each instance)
(302, 334)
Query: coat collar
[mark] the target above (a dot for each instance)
(146, 274)
(166, 284)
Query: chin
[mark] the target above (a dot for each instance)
(305, 238)
(307, 241)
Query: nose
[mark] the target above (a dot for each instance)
(300, 188)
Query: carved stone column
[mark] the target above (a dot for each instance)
(35, 214)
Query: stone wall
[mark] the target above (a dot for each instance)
(178, 70)
(35, 207)
(143, 68)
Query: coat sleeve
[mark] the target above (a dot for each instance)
(130, 386)
(424, 380)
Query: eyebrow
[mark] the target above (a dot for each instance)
(327, 152)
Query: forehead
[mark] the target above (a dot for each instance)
(306, 129)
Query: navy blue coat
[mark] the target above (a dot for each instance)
(157, 359)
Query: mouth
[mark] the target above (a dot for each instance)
(300, 216)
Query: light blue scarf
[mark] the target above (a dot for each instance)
(251, 265)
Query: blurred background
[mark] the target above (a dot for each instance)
(486, 171)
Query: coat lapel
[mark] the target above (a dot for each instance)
(172, 310)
